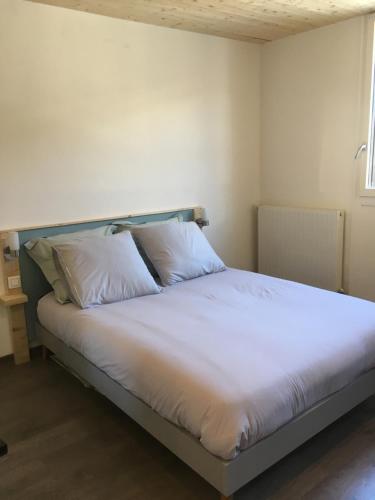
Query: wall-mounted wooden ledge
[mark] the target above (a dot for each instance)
(13, 300)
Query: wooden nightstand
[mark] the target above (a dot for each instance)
(15, 304)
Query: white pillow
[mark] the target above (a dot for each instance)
(104, 270)
(41, 251)
(178, 251)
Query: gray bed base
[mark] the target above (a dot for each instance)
(226, 476)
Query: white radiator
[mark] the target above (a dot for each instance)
(302, 245)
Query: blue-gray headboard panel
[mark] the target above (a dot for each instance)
(34, 283)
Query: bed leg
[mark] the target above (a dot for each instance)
(44, 352)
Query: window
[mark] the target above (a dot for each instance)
(366, 151)
(370, 167)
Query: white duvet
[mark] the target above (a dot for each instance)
(231, 356)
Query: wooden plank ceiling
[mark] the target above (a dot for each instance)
(248, 20)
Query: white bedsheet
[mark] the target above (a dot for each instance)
(230, 356)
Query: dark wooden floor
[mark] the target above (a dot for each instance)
(68, 442)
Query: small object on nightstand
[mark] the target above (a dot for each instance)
(3, 448)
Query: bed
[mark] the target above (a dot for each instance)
(230, 371)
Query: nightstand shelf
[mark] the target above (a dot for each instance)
(13, 300)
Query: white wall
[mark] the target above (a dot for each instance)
(100, 116)
(310, 132)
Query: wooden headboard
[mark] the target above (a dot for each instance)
(34, 283)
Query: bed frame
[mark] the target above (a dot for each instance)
(226, 476)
